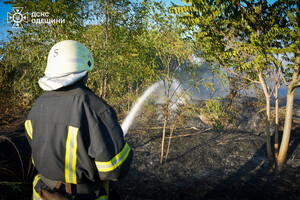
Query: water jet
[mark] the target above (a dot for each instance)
(131, 115)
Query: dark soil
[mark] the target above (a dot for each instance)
(210, 165)
(201, 164)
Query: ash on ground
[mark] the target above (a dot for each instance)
(208, 165)
(205, 164)
(201, 164)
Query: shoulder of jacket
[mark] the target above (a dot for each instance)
(96, 103)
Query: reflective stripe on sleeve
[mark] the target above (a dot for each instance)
(36, 196)
(115, 162)
(28, 127)
(104, 197)
(71, 155)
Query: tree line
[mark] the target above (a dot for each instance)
(254, 40)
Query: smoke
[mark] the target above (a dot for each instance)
(158, 88)
(176, 96)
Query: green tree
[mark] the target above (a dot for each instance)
(24, 56)
(108, 28)
(173, 52)
(244, 38)
(121, 68)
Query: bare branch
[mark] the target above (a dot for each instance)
(236, 33)
(284, 80)
(274, 77)
(244, 12)
(276, 85)
(297, 83)
(230, 47)
(263, 84)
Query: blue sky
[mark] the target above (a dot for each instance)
(3, 21)
(4, 9)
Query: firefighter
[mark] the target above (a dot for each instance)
(77, 143)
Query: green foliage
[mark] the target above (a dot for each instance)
(24, 56)
(218, 115)
(254, 40)
(240, 34)
(123, 66)
(120, 67)
(133, 44)
(213, 110)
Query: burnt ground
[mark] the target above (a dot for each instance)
(201, 164)
(210, 165)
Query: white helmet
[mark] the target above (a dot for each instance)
(68, 57)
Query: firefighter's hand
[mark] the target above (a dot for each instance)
(48, 195)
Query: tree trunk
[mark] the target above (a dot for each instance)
(170, 138)
(276, 143)
(167, 86)
(288, 114)
(289, 103)
(268, 109)
(268, 133)
(101, 91)
(104, 75)
(129, 98)
(104, 86)
(163, 138)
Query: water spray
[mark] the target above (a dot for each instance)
(176, 88)
(129, 118)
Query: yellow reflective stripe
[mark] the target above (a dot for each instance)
(115, 162)
(71, 155)
(104, 197)
(32, 161)
(28, 127)
(36, 196)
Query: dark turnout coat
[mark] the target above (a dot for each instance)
(75, 137)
